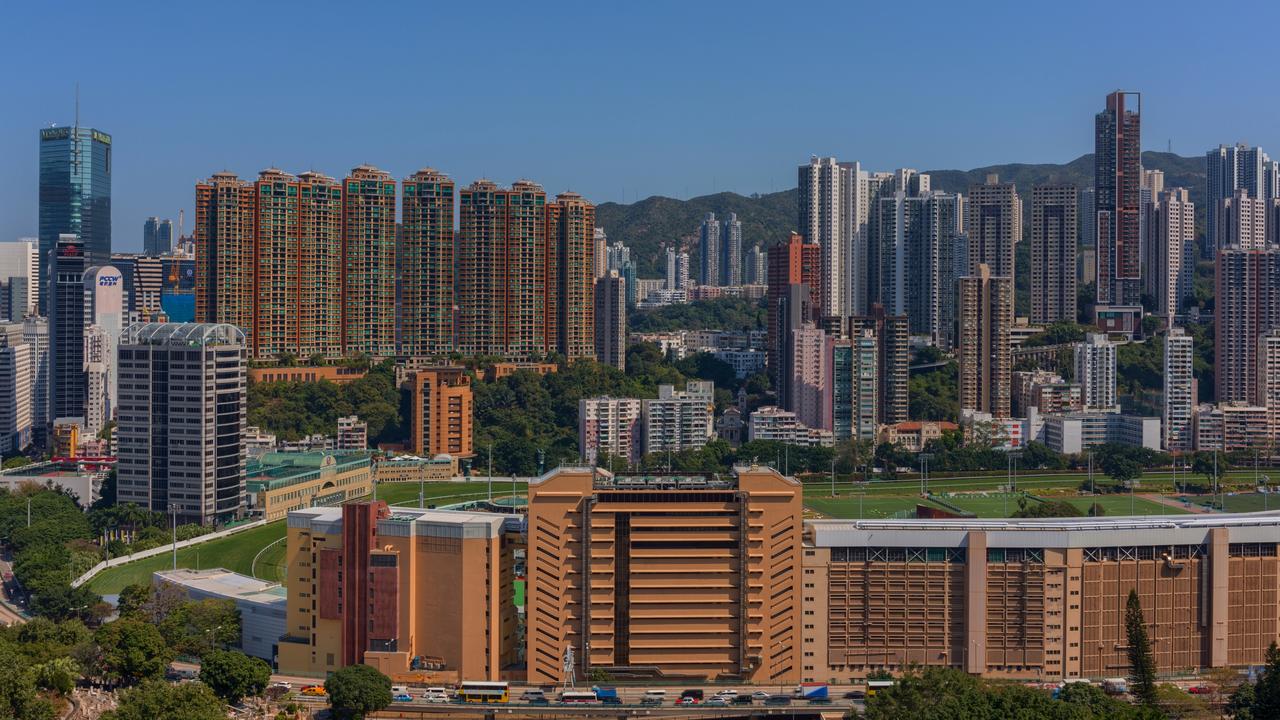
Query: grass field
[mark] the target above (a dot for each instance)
(1031, 482)
(1124, 505)
(857, 507)
(237, 552)
(1243, 502)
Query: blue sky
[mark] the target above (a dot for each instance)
(615, 100)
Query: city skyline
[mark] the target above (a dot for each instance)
(628, 143)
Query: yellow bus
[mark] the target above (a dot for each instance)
(483, 692)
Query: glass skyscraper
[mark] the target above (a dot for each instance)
(75, 193)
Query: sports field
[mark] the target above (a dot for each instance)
(260, 552)
(857, 506)
(1242, 502)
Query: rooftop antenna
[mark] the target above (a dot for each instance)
(1170, 146)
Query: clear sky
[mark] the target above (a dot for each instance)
(616, 100)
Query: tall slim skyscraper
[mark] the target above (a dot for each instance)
(986, 316)
(710, 250)
(611, 320)
(17, 383)
(104, 312)
(1241, 221)
(1053, 253)
(67, 263)
(731, 251)
(1087, 218)
(1236, 167)
(853, 391)
(757, 272)
(501, 282)
(157, 237)
(1118, 197)
(35, 334)
(425, 265)
(183, 387)
(893, 344)
(225, 240)
(318, 267)
(918, 235)
(1247, 305)
(826, 219)
(601, 241)
(75, 193)
(1179, 391)
(994, 225)
(1171, 262)
(570, 276)
(793, 262)
(369, 263)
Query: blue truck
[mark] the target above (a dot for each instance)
(813, 692)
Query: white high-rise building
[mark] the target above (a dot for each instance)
(98, 362)
(731, 251)
(35, 333)
(1242, 221)
(609, 425)
(600, 252)
(1171, 262)
(1237, 167)
(710, 251)
(19, 279)
(104, 308)
(1179, 391)
(834, 207)
(679, 420)
(1096, 372)
(677, 270)
(757, 266)
(17, 383)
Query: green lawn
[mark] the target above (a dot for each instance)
(1243, 502)
(237, 553)
(1124, 505)
(854, 506)
(989, 505)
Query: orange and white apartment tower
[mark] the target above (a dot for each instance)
(398, 589)
(691, 576)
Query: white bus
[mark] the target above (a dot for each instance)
(483, 692)
(578, 697)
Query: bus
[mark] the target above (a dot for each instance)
(482, 692)
(874, 686)
(578, 697)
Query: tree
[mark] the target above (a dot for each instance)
(1048, 509)
(358, 689)
(133, 598)
(200, 626)
(232, 675)
(18, 697)
(132, 651)
(1178, 704)
(57, 674)
(1266, 702)
(158, 700)
(1121, 469)
(1142, 665)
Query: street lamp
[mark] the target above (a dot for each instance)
(173, 512)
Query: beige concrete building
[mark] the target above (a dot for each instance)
(676, 576)
(279, 482)
(381, 586)
(986, 316)
(1037, 599)
(1053, 253)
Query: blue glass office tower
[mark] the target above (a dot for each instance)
(75, 194)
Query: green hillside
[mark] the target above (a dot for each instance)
(653, 223)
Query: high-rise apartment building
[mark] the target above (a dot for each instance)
(677, 277)
(809, 377)
(986, 316)
(1232, 168)
(710, 251)
(35, 334)
(793, 262)
(75, 194)
(17, 383)
(441, 418)
(1179, 391)
(919, 242)
(826, 187)
(853, 390)
(181, 420)
(569, 300)
(157, 237)
(994, 224)
(19, 279)
(757, 272)
(1246, 306)
(611, 320)
(1118, 196)
(66, 306)
(633, 607)
(383, 587)
(425, 264)
(225, 252)
(609, 425)
(1267, 392)
(368, 263)
(1095, 365)
(1242, 221)
(893, 345)
(679, 420)
(600, 243)
(1087, 219)
(731, 251)
(104, 310)
(1054, 228)
(1171, 257)
(501, 281)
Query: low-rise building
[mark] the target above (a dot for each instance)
(279, 482)
(679, 420)
(1072, 433)
(353, 434)
(778, 425)
(915, 435)
(411, 468)
(261, 604)
(609, 425)
(1231, 426)
(497, 371)
(339, 374)
(84, 483)
(745, 363)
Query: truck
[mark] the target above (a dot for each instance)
(812, 691)
(607, 695)
(1115, 686)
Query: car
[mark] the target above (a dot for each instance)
(760, 695)
(314, 691)
(694, 693)
(529, 695)
(742, 700)
(778, 700)
(727, 694)
(282, 685)
(403, 697)
(689, 700)
(717, 701)
(856, 695)
(1200, 690)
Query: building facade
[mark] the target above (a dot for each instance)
(793, 262)
(1247, 305)
(425, 265)
(993, 221)
(1117, 194)
(610, 425)
(611, 320)
(181, 420)
(628, 603)
(1053, 253)
(986, 316)
(75, 194)
(66, 313)
(441, 420)
(1095, 365)
(369, 263)
(1232, 168)
(679, 419)
(1179, 391)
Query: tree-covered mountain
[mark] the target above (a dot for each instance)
(648, 226)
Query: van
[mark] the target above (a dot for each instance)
(436, 695)
(399, 689)
(653, 697)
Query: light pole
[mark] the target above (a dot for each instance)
(28, 511)
(173, 512)
(490, 472)
(833, 474)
